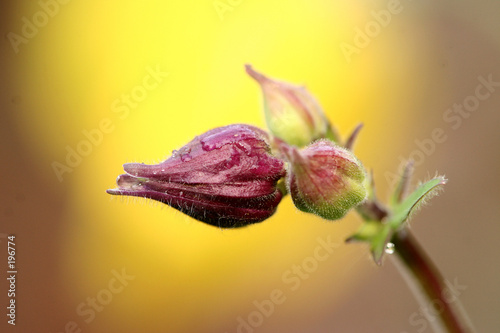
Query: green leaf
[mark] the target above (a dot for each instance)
(376, 234)
(379, 243)
(377, 231)
(367, 231)
(402, 211)
(401, 189)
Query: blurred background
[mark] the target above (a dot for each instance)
(89, 85)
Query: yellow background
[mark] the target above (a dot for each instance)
(190, 277)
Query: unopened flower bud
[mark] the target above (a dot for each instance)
(225, 177)
(325, 179)
(292, 114)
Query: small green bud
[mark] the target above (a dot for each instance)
(325, 179)
(292, 114)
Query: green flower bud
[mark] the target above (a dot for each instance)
(292, 114)
(325, 179)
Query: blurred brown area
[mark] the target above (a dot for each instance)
(31, 207)
(459, 229)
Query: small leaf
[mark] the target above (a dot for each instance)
(403, 185)
(379, 243)
(367, 231)
(403, 210)
(352, 138)
(376, 234)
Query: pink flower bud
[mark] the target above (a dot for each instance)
(225, 177)
(325, 179)
(292, 114)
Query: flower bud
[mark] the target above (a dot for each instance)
(225, 177)
(292, 114)
(325, 179)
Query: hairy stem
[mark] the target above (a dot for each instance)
(430, 282)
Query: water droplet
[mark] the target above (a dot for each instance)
(389, 248)
(208, 146)
(174, 153)
(185, 157)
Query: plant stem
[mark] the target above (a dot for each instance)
(429, 281)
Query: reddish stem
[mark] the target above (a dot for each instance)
(428, 278)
